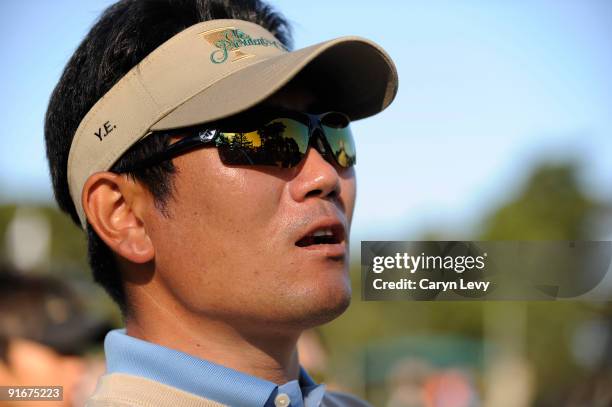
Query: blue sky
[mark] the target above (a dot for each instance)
(488, 89)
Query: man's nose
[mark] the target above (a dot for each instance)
(316, 177)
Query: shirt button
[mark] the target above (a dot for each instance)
(282, 400)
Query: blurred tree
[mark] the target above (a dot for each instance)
(552, 206)
(6, 215)
(67, 255)
(68, 251)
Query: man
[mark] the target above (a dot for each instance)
(213, 172)
(43, 333)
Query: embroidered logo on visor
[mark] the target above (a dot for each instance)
(230, 40)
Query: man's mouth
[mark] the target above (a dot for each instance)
(323, 235)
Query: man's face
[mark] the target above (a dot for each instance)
(227, 248)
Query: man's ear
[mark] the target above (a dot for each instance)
(114, 205)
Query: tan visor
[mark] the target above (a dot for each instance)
(215, 69)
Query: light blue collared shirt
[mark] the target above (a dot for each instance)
(129, 355)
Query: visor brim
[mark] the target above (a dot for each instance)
(349, 74)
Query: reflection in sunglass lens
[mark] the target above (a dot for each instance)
(340, 139)
(281, 143)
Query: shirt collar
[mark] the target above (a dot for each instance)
(129, 355)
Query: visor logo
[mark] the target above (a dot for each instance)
(230, 40)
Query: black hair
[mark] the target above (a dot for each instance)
(125, 33)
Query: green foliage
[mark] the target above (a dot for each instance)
(67, 257)
(6, 214)
(552, 206)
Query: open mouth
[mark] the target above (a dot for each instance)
(322, 236)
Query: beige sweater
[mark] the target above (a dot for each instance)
(122, 390)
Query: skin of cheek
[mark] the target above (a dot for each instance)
(227, 249)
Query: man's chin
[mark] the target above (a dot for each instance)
(321, 310)
(293, 311)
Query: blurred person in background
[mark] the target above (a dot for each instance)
(44, 332)
(219, 258)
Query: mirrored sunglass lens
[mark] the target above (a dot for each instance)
(342, 145)
(281, 142)
(237, 148)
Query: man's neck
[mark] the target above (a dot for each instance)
(271, 355)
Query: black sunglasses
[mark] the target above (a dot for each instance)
(279, 139)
